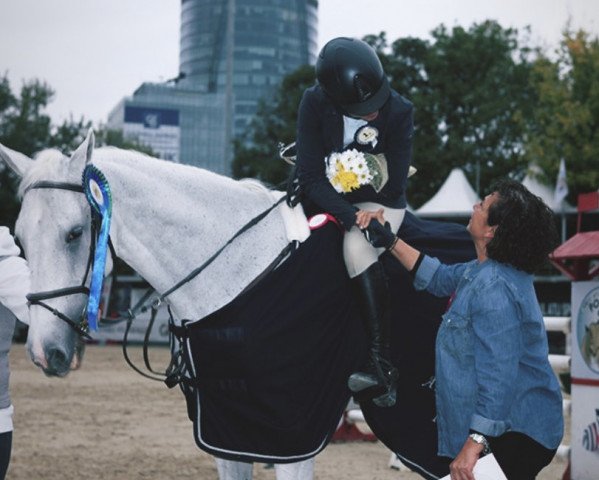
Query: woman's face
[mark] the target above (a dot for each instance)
(478, 226)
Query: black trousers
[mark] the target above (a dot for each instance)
(519, 456)
(5, 449)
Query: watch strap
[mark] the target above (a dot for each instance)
(481, 440)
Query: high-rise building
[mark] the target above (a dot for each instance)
(233, 53)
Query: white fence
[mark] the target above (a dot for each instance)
(561, 364)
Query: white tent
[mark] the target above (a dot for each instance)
(541, 190)
(455, 198)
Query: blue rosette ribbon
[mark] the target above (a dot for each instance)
(97, 192)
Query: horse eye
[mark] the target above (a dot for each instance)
(74, 234)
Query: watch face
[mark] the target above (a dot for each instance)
(481, 440)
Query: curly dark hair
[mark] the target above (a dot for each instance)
(526, 232)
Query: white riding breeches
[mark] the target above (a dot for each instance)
(357, 252)
(231, 470)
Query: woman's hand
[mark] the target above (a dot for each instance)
(363, 217)
(462, 466)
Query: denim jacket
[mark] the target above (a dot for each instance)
(492, 370)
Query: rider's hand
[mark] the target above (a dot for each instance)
(379, 235)
(364, 217)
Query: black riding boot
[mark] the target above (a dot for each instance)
(379, 378)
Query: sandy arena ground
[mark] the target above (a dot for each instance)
(107, 422)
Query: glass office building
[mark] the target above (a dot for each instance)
(233, 53)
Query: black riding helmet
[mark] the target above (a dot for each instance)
(351, 74)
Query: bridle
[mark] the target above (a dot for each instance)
(80, 327)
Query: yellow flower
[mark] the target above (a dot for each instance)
(347, 180)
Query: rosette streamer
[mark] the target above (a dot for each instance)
(97, 192)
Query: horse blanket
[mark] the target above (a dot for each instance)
(269, 370)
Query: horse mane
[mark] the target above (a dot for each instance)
(254, 185)
(48, 165)
(51, 164)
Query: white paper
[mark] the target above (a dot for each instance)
(486, 468)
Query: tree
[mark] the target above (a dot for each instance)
(256, 154)
(116, 138)
(69, 134)
(468, 87)
(23, 124)
(565, 120)
(25, 127)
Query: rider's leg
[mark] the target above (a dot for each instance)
(295, 471)
(231, 470)
(378, 379)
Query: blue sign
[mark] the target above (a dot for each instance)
(152, 117)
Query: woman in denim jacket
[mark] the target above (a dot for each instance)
(495, 388)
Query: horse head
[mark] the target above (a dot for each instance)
(54, 229)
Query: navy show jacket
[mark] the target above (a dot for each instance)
(320, 132)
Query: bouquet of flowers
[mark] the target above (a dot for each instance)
(351, 169)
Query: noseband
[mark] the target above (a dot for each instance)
(80, 327)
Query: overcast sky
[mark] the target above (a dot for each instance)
(94, 52)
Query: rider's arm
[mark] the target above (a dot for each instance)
(311, 153)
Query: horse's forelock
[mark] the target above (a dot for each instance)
(48, 165)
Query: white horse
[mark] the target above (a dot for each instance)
(167, 219)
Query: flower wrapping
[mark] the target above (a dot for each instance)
(351, 169)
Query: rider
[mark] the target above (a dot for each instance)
(353, 107)
(14, 285)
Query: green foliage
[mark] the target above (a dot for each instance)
(468, 86)
(565, 120)
(67, 136)
(23, 124)
(26, 128)
(116, 138)
(257, 153)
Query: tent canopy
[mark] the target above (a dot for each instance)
(543, 191)
(455, 198)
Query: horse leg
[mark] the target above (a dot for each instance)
(295, 471)
(230, 470)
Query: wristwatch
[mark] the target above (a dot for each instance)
(481, 440)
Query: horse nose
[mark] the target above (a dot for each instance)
(58, 362)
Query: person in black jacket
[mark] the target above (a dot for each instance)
(353, 109)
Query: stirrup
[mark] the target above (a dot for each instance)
(380, 385)
(381, 396)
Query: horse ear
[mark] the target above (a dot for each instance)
(83, 155)
(16, 161)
